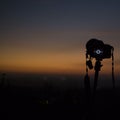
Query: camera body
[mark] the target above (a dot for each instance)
(97, 49)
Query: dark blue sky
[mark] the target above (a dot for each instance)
(84, 14)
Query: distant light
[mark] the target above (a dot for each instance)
(43, 101)
(46, 101)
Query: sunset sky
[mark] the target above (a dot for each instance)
(49, 36)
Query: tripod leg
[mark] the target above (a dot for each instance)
(87, 88)
(95, 82)
(97, 69)
(113, 78)
(113, 81)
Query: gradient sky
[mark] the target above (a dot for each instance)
(49, 36)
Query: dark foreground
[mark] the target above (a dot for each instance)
(52, 103)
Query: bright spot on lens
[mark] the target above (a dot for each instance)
(98, 51)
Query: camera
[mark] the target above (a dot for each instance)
(97, 49)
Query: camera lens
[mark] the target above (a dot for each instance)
(98, 52)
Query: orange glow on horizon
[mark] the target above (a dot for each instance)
(53, 65)
(68, 63)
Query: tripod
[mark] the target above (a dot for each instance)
(98, 50)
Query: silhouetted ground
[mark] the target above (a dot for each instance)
(22, 102)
